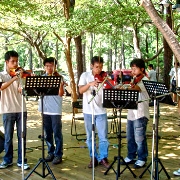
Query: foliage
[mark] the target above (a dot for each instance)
(22, 20)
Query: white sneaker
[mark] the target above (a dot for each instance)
(177, 173)
(4, 165)
(26, 166)
(128, 161)
(139, 164)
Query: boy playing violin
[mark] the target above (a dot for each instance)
(87, 85)
(137, 119)
(11, 107)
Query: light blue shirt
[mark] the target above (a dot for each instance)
(52, 105)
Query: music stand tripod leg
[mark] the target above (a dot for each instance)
(22, 132)
(111, 166)
(156, 160)
(145, 170)
(119, 157)
(42, 160)
(33, 170)
(164, 169)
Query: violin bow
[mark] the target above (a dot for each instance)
(99, 87)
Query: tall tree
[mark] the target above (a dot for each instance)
(166, 31)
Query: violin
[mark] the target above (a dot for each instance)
(55, 73)
(136, 79)
(18, 70)
(100, 77)
(108, 84)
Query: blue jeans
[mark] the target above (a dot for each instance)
(53, 124)
(100, 122)
(136, 139)
(9, 120)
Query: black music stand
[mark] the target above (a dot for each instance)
(42, 86)
(159, 93)
(120, 99)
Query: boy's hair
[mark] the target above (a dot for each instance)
(151, 66)
(139, 63)
(97, 59)
(10, 54)
(50, 60)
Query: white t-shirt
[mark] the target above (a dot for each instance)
(89, 104)
(143, 107)
(172, 73)
(11, 99)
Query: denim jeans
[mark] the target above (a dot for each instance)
(101, 124)
(53, 124)
(136, 139)
(9, 120)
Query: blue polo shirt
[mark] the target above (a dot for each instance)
(52, 105)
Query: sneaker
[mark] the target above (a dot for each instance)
(177, 173)
(128, 161)
(4, 165)
(49, 157)
(139, 164)
(57, 160)
(26, 166)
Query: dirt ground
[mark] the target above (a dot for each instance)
(168, 146)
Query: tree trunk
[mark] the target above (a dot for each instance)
(162, 27)
(122, 63)
(67, 4)
(110, 60)
(115, 55)
(56, 52)
(79, 59)
(30, 58)
(84, 56)
(70, 70)
(136, 43)
(168, 54)
(91, 46)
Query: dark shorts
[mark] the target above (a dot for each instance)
(173, 86)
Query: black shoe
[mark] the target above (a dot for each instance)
(49, 157)
(57, 160)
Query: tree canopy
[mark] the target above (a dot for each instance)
(45, 28)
